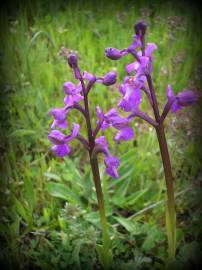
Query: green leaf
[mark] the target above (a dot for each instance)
(52, 176)
(130, 226)
(106, 258)
(62, 191)
(29, 193)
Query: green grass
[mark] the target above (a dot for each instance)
(48, 217)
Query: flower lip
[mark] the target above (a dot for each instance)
(72, 60)
(140, 28)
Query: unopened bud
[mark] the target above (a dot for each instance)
(72, 60)
(140, 28)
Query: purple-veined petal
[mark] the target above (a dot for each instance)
(56, 137)
(125, 134)
(61, 150)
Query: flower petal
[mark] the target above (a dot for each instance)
(56, 137)
(125, 134)
(132, 67)
(61, 150)
(73, 134)
(186, 98)
(150, 48)
(112, 163)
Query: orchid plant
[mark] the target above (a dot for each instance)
(74, 95)
(139, 80)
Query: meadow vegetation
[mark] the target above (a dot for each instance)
(49, 217)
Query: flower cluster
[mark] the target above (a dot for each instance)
(74, 95)
(139, 72)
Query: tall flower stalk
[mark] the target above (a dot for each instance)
(138, 81)
(74, 95)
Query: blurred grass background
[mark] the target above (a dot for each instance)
(48, 217)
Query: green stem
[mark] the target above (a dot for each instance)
(100, 198)
(170, 211)
(104, 251)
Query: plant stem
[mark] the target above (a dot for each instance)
(105, 255)
(100, 198)
(170, 211)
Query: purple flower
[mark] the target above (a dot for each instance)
(114, 54)
(59, 117)
(125, 134)
(112, 118)
(182, 99)
(60, 141)
(146, 62)
(131, 94)
(72, 93)
(111, 163)
(108, 79)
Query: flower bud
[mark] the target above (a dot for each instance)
(186, 98)
(140, 28)
(113, 53)
(72, 60)
(109, 78)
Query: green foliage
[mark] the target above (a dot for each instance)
(49, 216)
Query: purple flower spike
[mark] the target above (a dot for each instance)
(59, 118)
(114, 54)
(112, 163)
